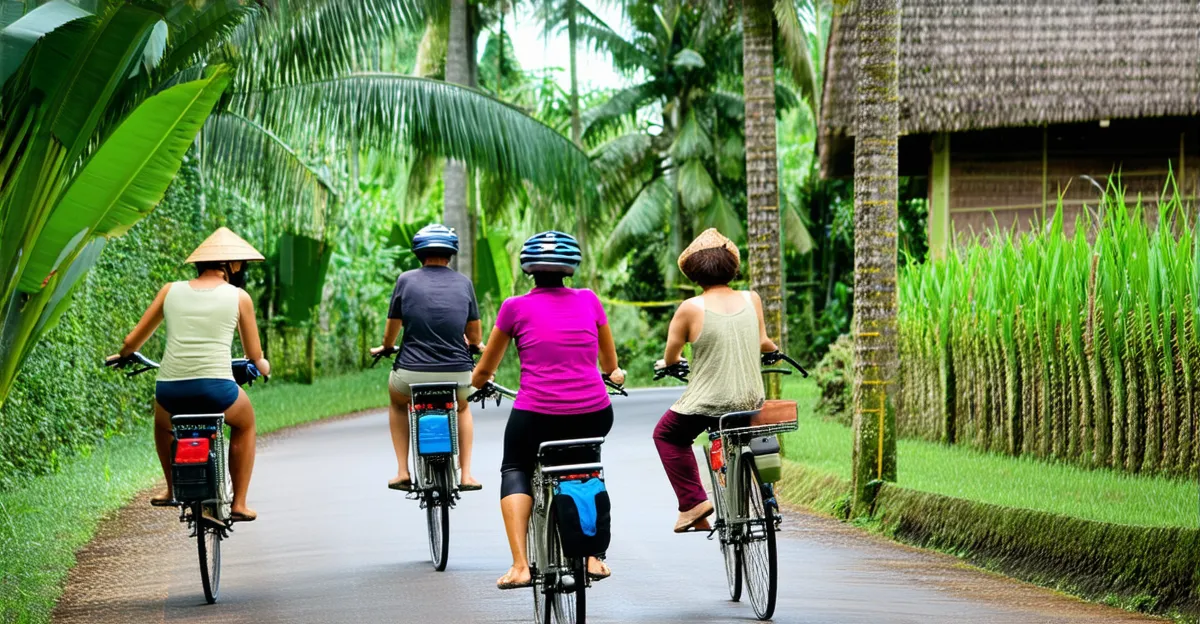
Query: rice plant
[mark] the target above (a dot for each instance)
(1079, 348)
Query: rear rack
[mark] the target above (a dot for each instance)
(762, 429)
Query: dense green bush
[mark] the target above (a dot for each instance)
(64, 401)
(835, 378)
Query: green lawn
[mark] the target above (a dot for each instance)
(1103, 495)
(46, 520)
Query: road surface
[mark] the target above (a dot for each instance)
(332, 544)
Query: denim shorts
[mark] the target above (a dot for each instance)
(196, 396)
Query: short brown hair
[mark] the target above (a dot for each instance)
(711, 267)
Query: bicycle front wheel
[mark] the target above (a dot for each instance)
(570, 595)
(759, 558)
(208, 546)
(731, 552)
(437, 517)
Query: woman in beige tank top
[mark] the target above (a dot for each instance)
(196, 376)
(728, 337)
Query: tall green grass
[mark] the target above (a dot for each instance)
(1103, 495)
(46, 519)
(1079, 348)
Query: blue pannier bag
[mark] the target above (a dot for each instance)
(583, 514)
(433, 435)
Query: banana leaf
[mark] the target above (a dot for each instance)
(18, 37)
(127, 177)
(303, 263)
(493, 264)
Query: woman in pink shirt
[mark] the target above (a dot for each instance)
(560, 332)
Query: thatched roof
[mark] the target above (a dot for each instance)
(974, 64)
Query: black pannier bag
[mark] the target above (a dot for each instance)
(583, 513)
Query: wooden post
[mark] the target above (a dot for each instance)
(939, 197)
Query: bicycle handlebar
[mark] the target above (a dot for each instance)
(615, 389)
(680, 369)
(386, 352)
(489, 390)
(244, 371)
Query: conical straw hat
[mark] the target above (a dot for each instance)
(710, 239)
(224, 246)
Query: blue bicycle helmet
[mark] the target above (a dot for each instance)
(551, 252)
(434, 237)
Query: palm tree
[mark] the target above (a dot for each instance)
(459, 59)
(276, 92)
(876, 128)
(762, 176)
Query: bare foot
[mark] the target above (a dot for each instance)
(401, 477)
(515, 578)
(597, 569)
(467, 479)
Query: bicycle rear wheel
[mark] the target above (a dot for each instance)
(570, 595)
(541, 606)
(731, 552)
(437, 517)
(208, 546)
(759, 558)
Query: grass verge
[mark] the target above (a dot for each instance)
(1058, 488)
(46, 519)
(1126, 540)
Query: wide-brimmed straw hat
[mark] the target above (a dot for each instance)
(710, 239)
(225, 246)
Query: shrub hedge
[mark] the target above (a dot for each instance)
(64, 401)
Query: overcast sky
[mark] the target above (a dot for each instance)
(534, 51)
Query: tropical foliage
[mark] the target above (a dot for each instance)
(1080, 348)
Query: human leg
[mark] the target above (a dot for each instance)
(163, 436)
(673, 437)
(516, 493)
(242, 441)
(400, 396)
(466, 439)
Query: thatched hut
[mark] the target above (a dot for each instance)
(1005, 104)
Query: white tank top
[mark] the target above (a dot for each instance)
(200, 327)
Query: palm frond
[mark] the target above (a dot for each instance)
(696, 188)
(692, 140)
(797, 58)
(795, 232)
(649, 213)
(720, 214)
(394, 113)
(259, 165)
(731, 157)
(600, 37)
(623, 104)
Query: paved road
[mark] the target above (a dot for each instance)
(334, 545)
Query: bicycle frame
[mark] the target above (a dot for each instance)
(735, 445)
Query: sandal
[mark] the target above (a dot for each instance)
(470, 487)
(514, 584)
(600, 577)
(691, 519)
(159, 501)
(239, 516)
(404, 485)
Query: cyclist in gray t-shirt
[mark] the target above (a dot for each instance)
(435, 305)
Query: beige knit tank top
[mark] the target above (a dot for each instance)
(725, 365)
(200, 327)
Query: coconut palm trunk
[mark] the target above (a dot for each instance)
(762, 176)
(875, 248)
(454, 208)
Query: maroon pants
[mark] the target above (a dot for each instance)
(674, 436)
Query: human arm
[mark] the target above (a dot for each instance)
(766, 345)
(391, 332)
(486, 368)
(474, 333)
(141, 332)
(248, 330)
(678, 333)
(608, 355)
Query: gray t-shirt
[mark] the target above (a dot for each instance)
(435, 304)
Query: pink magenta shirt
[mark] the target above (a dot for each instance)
(557, 333)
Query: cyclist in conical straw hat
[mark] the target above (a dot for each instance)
(560, 334)
(728, 335)
(202, 315)
(435, 306)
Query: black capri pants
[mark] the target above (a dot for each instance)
(527, 430)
